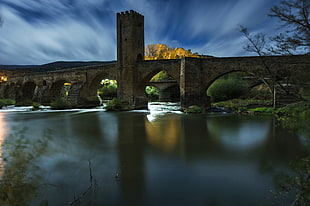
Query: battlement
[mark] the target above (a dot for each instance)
(130, 13)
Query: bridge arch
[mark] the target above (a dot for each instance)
(227, 86)
(9, 91)
(44, 83)
(211, 79)
(98, 83)
(57, 89)
(28, 90)
(89, 91)
(168, 87)
(95, 82)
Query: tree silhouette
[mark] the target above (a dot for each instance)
(294, 16)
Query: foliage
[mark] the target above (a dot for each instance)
(25, 102)
(194, 110)
(20, 181)
(160, 76)
(297, 183)
(108, 90)
(152, 93)
(35, 106)
(6, 102)
(257, 44)
(227, 87)
(162, 51)
(116, 105)
(259, 93)
(301, 110)
(295, 17)
(242, 104)
(60, 103)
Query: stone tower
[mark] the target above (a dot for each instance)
(130, 38)
(130, 50)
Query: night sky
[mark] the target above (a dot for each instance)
(43, 31)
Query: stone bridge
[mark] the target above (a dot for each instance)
(133, 73)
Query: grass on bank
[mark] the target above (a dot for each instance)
(116, 105)
(6, 102)
(300, 109)
(60, 103)
(243, 104)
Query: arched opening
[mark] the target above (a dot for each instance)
(8, 90)
(162, 87)
(228, 86)
(44, 83)
(104, 87)
(28, 92)
(59, 89)
(139, 57)
(107, 89)
(239, 88)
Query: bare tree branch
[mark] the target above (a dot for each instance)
(294, 16)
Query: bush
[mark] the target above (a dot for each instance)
(160, 76)
(24, 102)
(108, 90)
(60, 103)
(194, 110)
(36, 106)
(227, 88)
(116, 105)
(6, 102)
(152, 93)
(259, 92)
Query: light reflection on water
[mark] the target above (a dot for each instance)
(245, 135)
(155, 157)
(3, 134)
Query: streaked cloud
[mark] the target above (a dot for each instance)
(37, 32)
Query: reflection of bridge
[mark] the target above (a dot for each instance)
(193, 75)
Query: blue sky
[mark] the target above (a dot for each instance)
(43, 31)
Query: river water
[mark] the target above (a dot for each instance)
(150, 157)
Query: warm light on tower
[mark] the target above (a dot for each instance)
(3, 78)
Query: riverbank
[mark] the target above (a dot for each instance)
(263, 107)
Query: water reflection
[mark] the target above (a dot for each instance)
(131, 149)
(239, 134)
(3, 134)
(153, 159)
(163, 131)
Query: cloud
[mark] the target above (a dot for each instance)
(50, 38)
(37, 32)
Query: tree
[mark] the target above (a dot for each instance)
(294, 15)
(257, 44)
(269, 76)
(162, 51)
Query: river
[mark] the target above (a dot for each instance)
(149, 157)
